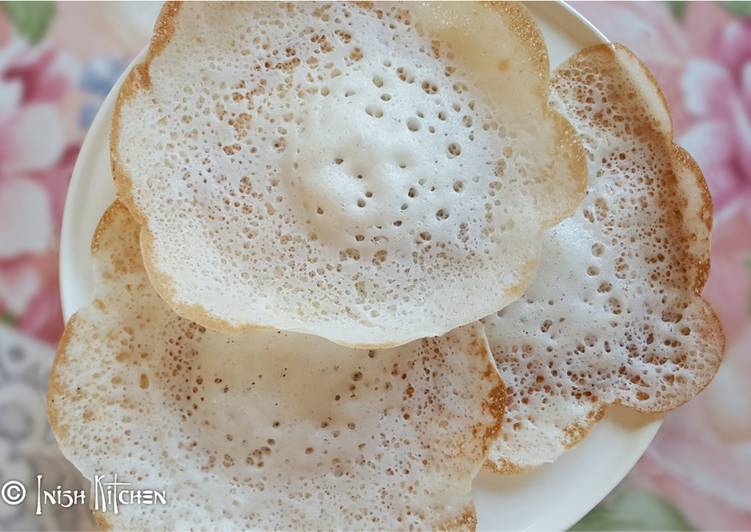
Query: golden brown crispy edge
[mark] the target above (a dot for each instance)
(700, 220)
(522, 22)
(696, 221)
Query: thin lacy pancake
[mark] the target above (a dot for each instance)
(615, 314)
(266, 430)
(369, 173)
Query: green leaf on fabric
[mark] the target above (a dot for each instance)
(629, 508)
(739, 9)
(677, 8)
(30, 19)
(8, 318)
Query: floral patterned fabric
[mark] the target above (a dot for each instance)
(58, 61)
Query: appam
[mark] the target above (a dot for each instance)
(368, 173)
(269, 429)
(615, 314)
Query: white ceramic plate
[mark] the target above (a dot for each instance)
(552, 497)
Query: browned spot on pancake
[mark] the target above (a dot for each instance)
(467, 520)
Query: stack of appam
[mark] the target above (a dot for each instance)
(361, 251)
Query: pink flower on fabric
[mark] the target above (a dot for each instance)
(717, 92)
(35, 166)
